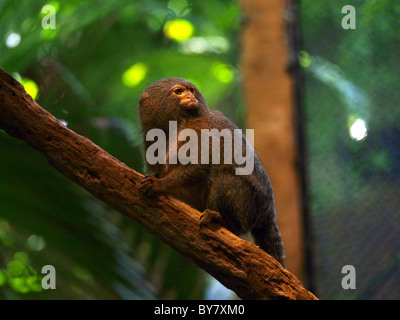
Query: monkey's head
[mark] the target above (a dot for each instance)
(170, 99)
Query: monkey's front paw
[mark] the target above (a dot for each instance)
(208, 216)
(149, 186)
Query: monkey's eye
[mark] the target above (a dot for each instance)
(178, 91)
(191, 90)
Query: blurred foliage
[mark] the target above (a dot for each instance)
(355, 78)
(352, 114)
(89, 73)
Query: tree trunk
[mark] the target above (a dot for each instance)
(269, 103)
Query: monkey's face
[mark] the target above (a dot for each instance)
(184, 97)
(169, 99)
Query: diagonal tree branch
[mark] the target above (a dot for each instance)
(238, 264)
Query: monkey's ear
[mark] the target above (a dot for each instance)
(143, 97)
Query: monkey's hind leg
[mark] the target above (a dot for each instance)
(209, 216)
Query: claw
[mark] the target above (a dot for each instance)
(209, 216)
(148, 186)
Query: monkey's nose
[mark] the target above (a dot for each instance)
(189, 101)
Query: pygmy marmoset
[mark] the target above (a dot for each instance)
(241, 203)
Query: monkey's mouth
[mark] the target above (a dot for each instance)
(191, 105)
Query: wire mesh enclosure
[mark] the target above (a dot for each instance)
(349, 61)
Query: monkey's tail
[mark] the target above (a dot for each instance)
(269, 239)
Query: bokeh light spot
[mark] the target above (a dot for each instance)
(134, 75)
(36, 242)
(48, 34)
(223, 73)
(358, 130)
(304, 59)
(179, 29)
(13, 40)
(30, 87)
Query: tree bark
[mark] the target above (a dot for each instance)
(269, 104)
(238, 264)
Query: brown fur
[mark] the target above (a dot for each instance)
(241, 203)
